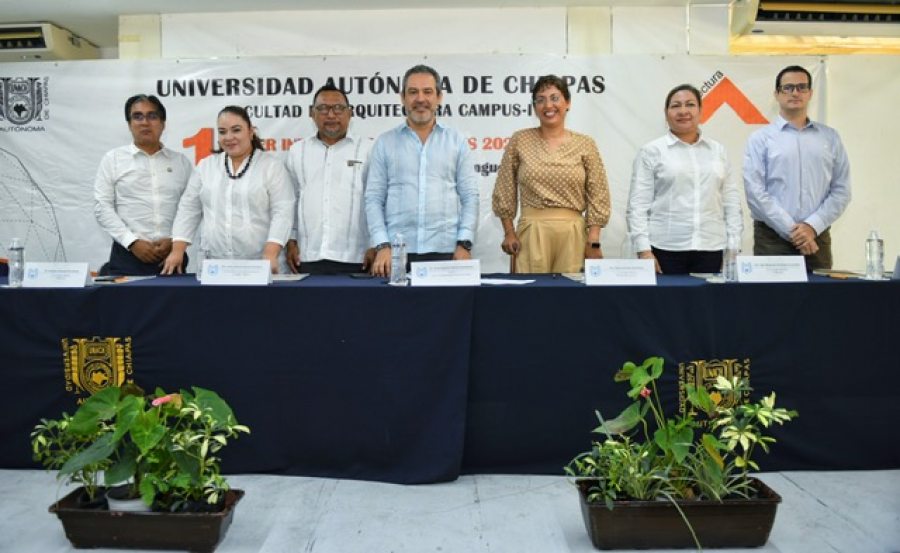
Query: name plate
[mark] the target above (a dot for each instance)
(41, 274)
(446, 273)
(236, 272)
(771, 268)
(619, 272)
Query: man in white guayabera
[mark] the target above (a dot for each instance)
(136, 192)
(329, 234)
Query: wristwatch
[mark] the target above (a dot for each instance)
(382, 246)
(465, 244)
(594, 245)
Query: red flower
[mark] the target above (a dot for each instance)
(645, 393)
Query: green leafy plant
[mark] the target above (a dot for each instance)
(646, 455)
(166, 445)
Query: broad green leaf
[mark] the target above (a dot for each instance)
(96, 452)
(656, 366)
(99, 407)
(187, 465)
(147, 430)
(700, 398)
(126, 413)
(678, 441)
(148, 492)
(639, 380)
(125, 468)
(624, 374)
(644, 374)
(211, 402)
(627, 419)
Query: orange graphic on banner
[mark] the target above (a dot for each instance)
(726, 93)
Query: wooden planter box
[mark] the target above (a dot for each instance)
(92, 528)
(658, 525)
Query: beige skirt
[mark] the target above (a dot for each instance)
(552, 239)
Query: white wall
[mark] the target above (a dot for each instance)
(862, 99)
(861, 91)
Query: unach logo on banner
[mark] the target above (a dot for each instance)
(718, 91)
(23, 100)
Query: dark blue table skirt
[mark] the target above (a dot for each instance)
(352, 378)
(354, 382)
(543, 360)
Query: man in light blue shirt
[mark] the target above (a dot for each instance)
(421, 181)
(796, 177)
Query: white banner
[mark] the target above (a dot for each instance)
(58, 119)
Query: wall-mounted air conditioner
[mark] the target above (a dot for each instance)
(42, 41)
(805, 18)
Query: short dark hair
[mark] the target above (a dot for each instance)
(792, 69)
(242, 113)
(547, 81)
(329, 87)
(160, 108)
(690, 88)
(423, 69)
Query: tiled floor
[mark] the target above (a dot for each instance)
(822, 512)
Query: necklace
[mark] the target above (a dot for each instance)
(244, 170)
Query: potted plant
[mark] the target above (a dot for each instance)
(164, 449)
(658, 481)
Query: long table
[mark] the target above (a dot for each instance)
(352, 378)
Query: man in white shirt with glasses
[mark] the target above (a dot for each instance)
(330, 234)
(136, 192)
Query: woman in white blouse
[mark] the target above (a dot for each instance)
(241, 198)
(684, 206)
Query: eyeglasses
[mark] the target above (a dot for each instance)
(542, 100)
(790, 88)
(337, 109)
(149, 116)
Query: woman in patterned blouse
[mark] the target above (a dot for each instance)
(559, 179)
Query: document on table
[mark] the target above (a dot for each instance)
(504, 281)
(107, 280)
(289, 277)
(838, 273)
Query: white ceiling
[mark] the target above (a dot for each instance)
(97, 20)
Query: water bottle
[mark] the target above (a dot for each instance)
(200, 255)
(398, 260)
(729, 261)
(874, 257)
(16, 263)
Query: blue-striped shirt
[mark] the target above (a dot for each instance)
(796, 176)
(428, 192)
